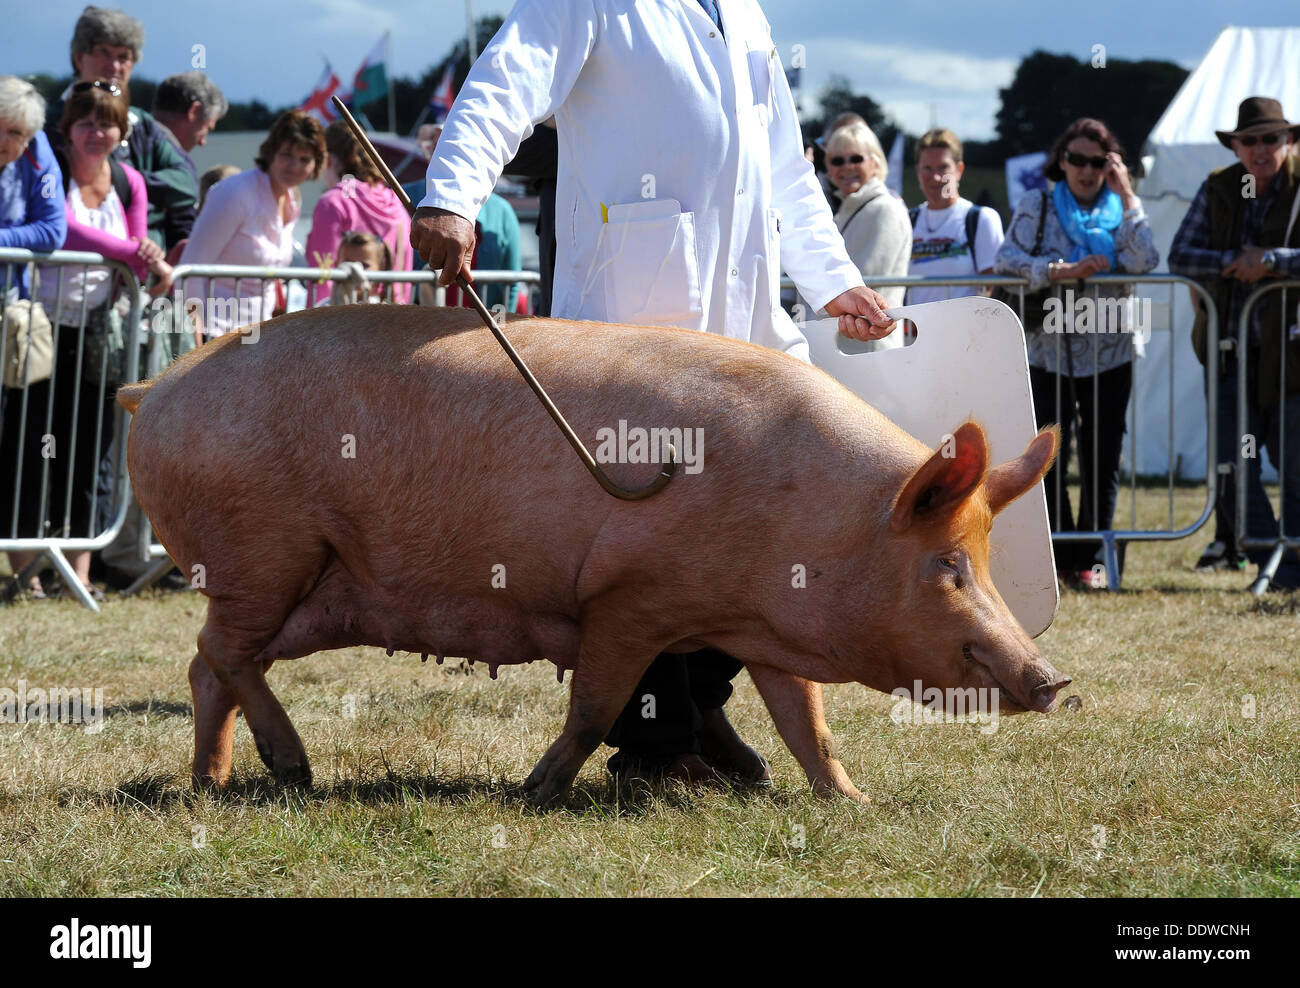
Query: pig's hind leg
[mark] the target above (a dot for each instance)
(214, 725)
(228, 647)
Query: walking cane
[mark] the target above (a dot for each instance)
(668, 469)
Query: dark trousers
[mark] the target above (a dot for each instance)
(74, 446)
(661, 720)
(1094, 410)
(1265, 425)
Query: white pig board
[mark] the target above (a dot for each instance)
(968, 362)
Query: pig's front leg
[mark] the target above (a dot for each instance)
(796, 708)
(603, 682)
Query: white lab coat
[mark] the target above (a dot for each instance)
(687, 143)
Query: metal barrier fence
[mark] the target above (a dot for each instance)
(63, 425)
(1112, 539)
(1275, 422)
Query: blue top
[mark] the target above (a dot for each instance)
(32, 210)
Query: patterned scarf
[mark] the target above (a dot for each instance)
(1091, 231)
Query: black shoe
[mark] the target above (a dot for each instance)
(172, 580)
(722, 746)
(1218, 556)
(689, 770)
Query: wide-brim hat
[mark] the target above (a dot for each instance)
(1257, 115)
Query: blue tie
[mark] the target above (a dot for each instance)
(711, 8)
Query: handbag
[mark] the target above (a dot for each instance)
(29, 340)
(1035, 302)
(104, 347)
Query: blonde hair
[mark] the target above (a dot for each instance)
(940, 137)
(860, 135)
(211, 177)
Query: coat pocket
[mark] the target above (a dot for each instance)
(773, 232)
(651, 265)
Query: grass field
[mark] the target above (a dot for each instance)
(1163, 783)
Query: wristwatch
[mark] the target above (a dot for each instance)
(1269, 260)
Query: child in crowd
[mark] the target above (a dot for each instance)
(360, 252)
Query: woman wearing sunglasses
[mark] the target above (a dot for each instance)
(874, 224)
(1081, 346)
(105, 209)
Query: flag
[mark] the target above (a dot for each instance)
(318, 103)
(1024, 174)
(371, 81)
(894, 181)
(442, 98)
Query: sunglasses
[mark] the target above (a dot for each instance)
(1269, 139)
(840, 161)
(109, 87)
(1084, 161)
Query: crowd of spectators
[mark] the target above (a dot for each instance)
(94, 173)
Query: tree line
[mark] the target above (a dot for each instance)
(1047, 93)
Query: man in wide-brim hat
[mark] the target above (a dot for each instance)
(1240, 230)
(1259, 116)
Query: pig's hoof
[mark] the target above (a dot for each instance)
(204, 782)
(848, 792)
(264, 752)
(293, 776)
(546, 798)
(542, 790)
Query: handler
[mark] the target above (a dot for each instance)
(681, 170)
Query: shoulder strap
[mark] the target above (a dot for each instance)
(972, 225)
(1042, 219)
(120, 182)
(849, 223)
(62, 159)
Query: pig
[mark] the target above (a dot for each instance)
(380, 475)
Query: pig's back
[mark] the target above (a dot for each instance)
(405, 438)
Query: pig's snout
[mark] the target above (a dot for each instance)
(1032, 686)
(1043, 696)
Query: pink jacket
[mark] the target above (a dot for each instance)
(82, 237)
(355, 206)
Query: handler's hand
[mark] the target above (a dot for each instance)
(862, 314)
(1248, 266)
(445, 240)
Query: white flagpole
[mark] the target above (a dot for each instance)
(470, 36)
(390, 77)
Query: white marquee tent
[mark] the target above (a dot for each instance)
(1180, 152)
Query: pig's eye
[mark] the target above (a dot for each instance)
(949, 563)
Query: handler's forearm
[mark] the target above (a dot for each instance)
(812, 250)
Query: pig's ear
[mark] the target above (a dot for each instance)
(1008, 481)
(945, 480)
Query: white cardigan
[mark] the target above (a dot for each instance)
(878, 236)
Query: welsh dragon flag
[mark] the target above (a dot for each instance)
(318, 103)
(371, 81)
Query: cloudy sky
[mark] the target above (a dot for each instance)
(921, 60)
